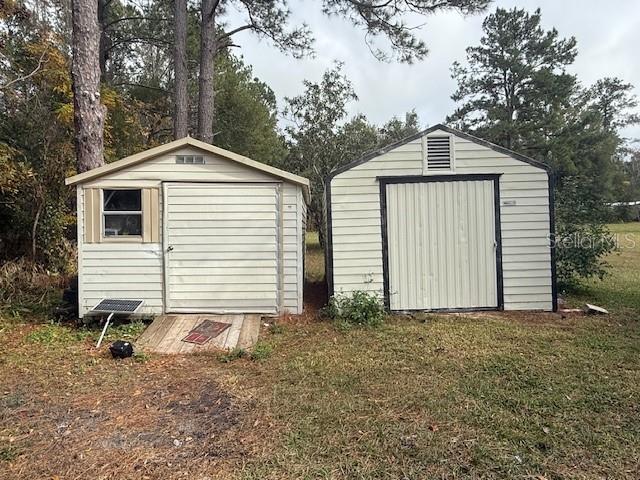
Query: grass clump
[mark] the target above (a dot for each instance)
(141, 357)
(261, 351)
(357, 309)
(126, 331)
(231, 355)
(8, 453)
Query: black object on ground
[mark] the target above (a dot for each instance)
(68, 308)
(121, 349)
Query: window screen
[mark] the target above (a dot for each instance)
(122, 211)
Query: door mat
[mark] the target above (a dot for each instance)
(204, 332)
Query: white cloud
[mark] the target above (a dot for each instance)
(608, 39)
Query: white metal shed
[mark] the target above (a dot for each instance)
(191, 228)
(443, 221)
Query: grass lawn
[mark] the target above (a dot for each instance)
(530, 396)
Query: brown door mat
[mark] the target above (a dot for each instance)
(205, 331)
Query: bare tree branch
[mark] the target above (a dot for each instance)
(41, 62)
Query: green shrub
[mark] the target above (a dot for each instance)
(358, 308)
(141, 357)
(582, 239)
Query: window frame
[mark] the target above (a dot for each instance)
(103, 213)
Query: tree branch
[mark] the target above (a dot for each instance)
(126, 19)
(236, 30)
(41, 62)
(139, 85)
(146, 40)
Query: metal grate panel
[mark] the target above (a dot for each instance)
(112, 305)
(439, 153)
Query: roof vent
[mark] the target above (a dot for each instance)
(190, 159)
(439, 153)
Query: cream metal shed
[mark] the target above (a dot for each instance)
(191, 228)
(443, 221)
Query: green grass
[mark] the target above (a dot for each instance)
(59, 335)
(517, 396)
(620, 289)
(314, 264)
(455, 397)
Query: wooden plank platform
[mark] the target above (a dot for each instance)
(166, 332)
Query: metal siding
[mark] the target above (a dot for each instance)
(357, 252)
(151, 174)
(203, 209)
(121, 270)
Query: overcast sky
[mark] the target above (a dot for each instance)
(608, 45)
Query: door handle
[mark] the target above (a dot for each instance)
(170, 248)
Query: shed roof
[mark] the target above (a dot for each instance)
(184, 142)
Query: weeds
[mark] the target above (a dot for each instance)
(232, 355)
(127, 331)
(57, 335)
(359, 308)
(259, 352)
(27, 288)
(141, 357)
(276, 329)
(8, 453)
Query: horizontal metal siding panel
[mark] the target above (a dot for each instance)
(127, 271)
(528, 305)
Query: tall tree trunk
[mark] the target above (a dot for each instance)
(88, 112)
(105, 40)
(181, 100)
(207, 59)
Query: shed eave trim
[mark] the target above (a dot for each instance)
(183, 142)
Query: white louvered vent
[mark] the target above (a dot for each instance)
(439, 153)
(190, 159)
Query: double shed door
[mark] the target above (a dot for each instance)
(442, 245)
(221, 247)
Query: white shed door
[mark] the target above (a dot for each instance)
(441, 245)
(221, 248)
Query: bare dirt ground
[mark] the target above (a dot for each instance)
(88, 416)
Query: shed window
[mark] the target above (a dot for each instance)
(439, 152)
(122, 212)
(190, 159)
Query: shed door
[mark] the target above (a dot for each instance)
(221, 247)
(441, 245)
